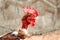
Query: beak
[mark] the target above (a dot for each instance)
(37, 18)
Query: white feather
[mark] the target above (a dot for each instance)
(25, 31)
(15, 33)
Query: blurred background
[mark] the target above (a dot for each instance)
(11, 12)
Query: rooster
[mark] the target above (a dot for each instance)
(28, 19)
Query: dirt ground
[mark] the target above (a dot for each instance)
(48, 36)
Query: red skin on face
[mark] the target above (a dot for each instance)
(28, 19)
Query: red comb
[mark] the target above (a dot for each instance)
(30, 10)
